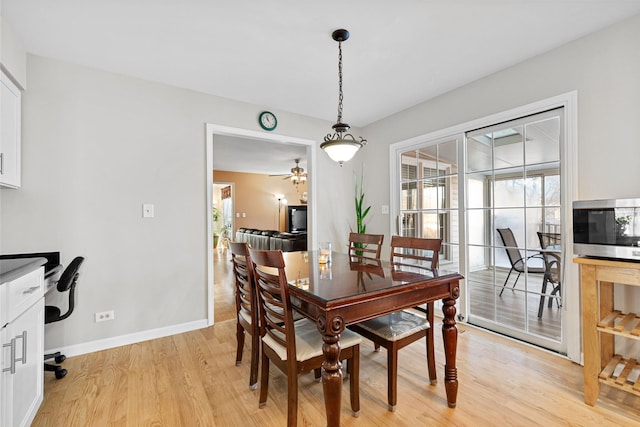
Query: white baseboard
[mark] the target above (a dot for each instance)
(97, 345)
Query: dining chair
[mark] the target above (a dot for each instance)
(365, 247)
(294, 346)
(246, 308)
(397, 330)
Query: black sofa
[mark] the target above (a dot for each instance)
(272, 239)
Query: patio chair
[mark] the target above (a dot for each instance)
(552, 261)
(550, 270)
(517, 261)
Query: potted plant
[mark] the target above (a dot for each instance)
(215, 213)
(361, 212)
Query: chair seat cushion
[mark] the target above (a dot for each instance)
(309, 341)
(395, 326)
(245, 315)
(51, 314)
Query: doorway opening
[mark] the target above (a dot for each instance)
(217, 132)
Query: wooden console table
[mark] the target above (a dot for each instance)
(601, 323)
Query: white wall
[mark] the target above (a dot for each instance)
(96, 146)
(12, 55)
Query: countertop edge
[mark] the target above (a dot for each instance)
(11, 269)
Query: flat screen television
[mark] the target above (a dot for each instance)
(296, 218)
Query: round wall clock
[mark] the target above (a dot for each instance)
(267, 120)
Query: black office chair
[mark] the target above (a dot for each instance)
(67, 283)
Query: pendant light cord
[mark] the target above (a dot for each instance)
(340, 96)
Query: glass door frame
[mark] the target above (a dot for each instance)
(572, 344)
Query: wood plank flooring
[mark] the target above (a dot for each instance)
(191, 379)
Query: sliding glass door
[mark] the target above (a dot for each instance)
(466, 187)
(514, 277)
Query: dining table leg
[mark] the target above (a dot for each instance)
(331, 372)
(450, 338)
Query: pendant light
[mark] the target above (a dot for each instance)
(340, 145)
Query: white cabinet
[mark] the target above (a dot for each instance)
(10, 125)
(21, 358)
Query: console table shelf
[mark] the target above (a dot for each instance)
(601, 323)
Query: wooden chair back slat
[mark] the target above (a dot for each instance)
(365, 246)
(242, 269)
(415, 251)
(276, 318)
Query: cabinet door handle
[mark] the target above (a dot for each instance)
(30, 290)
(1, 163)
(22, 336)
(12, 367)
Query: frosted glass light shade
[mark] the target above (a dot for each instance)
(341, 150)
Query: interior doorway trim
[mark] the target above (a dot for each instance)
(211, 131)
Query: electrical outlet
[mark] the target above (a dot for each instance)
(105, 315)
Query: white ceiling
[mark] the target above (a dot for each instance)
(279, 54)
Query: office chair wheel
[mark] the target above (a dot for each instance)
(61, 358)
(60, 373)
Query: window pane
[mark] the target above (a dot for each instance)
(534, 224)
(543, 141)
(508, 189)
(431, 196)
(478, 258)
(478, 153)
(508, 149)
(409, 196)
(428, 156)
(430, 226)
(476, 195)
(449, 256)
(552, 220)
(408, 225)
(508, 218)
(449, 192)
(409, 166)
(479, 222)
(533, 191)
(552, 190)
(482, 300)
(448, 157)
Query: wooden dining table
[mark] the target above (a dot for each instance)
(348, 290)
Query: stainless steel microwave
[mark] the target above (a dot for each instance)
(607, 228)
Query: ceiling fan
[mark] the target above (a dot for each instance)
(297, 175)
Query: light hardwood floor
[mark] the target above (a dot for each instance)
(191, 379)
